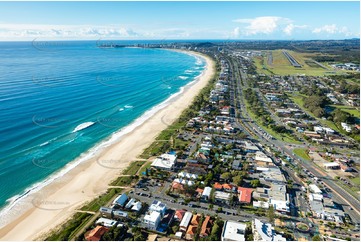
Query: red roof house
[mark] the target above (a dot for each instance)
(179, 214)
(96, 233)
(245, 194)
(206, 227)
(218, 186)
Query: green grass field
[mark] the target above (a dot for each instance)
(281, 66)
(133, 168)
(302, 153)
(348, 109)
(147, 166)
(356, 180)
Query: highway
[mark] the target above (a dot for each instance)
(339, 194)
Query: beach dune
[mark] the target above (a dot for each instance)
(55, 203)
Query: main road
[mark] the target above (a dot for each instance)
(353, 208)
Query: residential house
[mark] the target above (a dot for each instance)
(192, 228)
(206, 227)
(222, 197)
(199, 191)
(185, 221)
(118, 214)
(217, 186)
(106, 222)
(106, 212)
(179, 214)
(177, 187)
(206, 194)
(245, 195)
(237, 165)
(191, 232)
(121, 200)
(96, 233)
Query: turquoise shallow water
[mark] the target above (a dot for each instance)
(58, 100)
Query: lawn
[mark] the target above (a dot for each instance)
(356, 180)
(281, 65)
(122, 181)
(348, 109)
(69, 229)
(147, 166)
(102, 200)
(302, 153)
(133, 168)
(262, 68)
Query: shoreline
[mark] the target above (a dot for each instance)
(87, 180)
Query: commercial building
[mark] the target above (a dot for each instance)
(264, 232)
(165, 162)
(152, 220)
(233, 231)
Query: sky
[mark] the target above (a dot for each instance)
(179, 20)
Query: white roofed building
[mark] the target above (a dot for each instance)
(233, 231)
(158, 207)
(206, 193)
(165, 162)
(264, 232)
(314, 189)
(260, 156)
(106, 222)
(185, 221)
(152, 220)
(222, 196)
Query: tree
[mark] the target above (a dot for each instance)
(175, 229)
(271, 214)
(238, 180)
(139, 237)
(340, 116)
(210, 206)
(226, 176)
(255, 183)
(115, 233)
(316, 238)
(135, 229)
(209, 178)
(289, 184)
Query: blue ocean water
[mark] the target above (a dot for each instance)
(60, 99)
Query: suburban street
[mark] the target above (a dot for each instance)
(339, 194)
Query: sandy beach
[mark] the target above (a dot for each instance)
(55, 203)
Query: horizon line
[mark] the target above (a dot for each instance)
(180, 40)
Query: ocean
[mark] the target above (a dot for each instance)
(62, 101)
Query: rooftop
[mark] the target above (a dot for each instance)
(233, 231)
(152, 217)
(165, 161)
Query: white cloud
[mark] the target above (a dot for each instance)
(332, 29)
(25, 31)
(291, 27)
(236, 32)
(263, 25)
